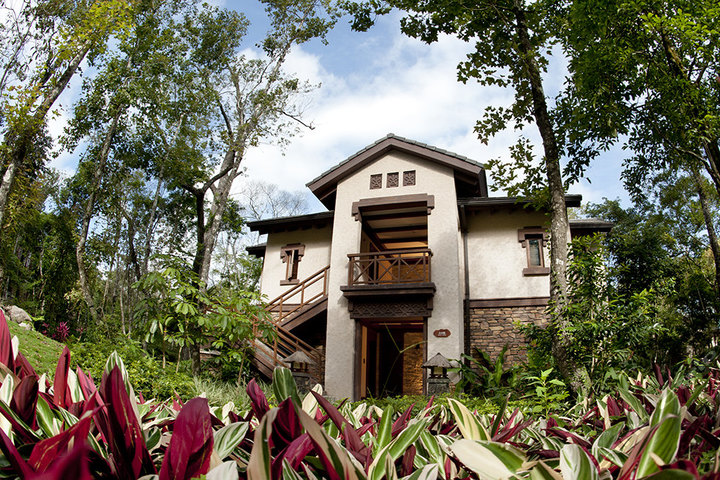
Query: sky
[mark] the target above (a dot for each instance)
(380, 82)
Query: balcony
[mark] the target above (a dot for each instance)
(390, 277)
(391, 267)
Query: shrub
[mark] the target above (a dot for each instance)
(660, 427)
(145, 372)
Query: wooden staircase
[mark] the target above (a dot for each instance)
(297, 305)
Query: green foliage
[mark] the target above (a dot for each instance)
(606, 330)
(548, 394)
(649, 424)
(179, 310)
(221, 392)
(146, 373)
(481, 377)
(42, 352)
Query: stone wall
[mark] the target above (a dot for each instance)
(491, 328)
(412, 364)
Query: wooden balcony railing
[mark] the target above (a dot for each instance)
(390, 267)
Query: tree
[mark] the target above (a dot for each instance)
(647, 72)
(511, 40)
(661, 248)
(255, 102)
(48, 43)
(104, 113)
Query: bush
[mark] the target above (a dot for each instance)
(479, 404)
(146, 373)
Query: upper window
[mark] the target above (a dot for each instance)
(291, 256)
(533, 240)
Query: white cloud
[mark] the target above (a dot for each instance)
(410, 90)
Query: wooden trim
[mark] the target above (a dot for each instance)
(536, 270)
(509, 302)
(283, 307)
(396, 201)
(299, 222)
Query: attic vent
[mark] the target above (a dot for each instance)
(408, 178)
(375, 181)
(393, 179)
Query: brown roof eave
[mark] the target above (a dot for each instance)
(257, 251)
(472, 203)
(297, 222)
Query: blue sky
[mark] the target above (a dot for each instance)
(379, 82)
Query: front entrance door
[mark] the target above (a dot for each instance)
(391, 356)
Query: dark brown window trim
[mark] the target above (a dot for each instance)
(287, 254)
(533, 271)
(397, 201)
(524, 237)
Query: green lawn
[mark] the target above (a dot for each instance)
(42, 352)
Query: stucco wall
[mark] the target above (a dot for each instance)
(496, 258)
(317, 256)
(443, 237)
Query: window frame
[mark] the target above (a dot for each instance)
(534, 233)
(291, 255)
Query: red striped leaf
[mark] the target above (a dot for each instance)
(191, 444)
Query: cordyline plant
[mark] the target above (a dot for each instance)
(654, 428)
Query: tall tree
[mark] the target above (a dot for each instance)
(104, 111)
(48, 43)
(647, 72)
(255, 101)
(511, 42)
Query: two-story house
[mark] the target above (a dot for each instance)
(411, 259)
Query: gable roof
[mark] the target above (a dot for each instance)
(469, 174)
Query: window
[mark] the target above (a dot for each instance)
(533, 241)
(408, 178)
(291, 256)
(393, 179)
(375, 181)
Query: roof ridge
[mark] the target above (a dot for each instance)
(402, 139)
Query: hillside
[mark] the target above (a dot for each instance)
(42, 352)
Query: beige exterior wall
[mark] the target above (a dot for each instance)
(496, 259)
(443, 227)
(317, 256)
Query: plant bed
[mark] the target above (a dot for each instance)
(654, 428)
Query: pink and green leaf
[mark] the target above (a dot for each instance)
(191, 445)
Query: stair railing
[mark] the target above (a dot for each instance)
(283, 342)
(278, 305)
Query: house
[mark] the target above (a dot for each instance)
(412, 258)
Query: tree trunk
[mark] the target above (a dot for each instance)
(559, 225)
(709, 225)
(88, 213)
(19, 143)
(220, 197)
(712, 152)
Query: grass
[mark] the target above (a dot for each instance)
(220, 393)
(42, 352)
